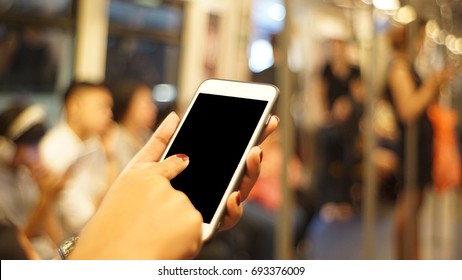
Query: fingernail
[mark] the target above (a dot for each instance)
(277, 118)
(172, 113)
(183, 157)
(238, 198)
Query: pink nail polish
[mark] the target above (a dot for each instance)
(183, 157)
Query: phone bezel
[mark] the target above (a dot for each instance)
(256, 91)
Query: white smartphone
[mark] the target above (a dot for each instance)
(222, 123)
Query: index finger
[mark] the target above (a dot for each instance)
(155, 147)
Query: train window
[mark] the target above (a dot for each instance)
(34, 57)
(144, 39)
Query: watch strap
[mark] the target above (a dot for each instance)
(67, 246)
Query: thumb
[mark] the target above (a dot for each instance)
(172, 166)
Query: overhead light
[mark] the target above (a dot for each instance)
(405, 15)
(458, 46)
(451, 42)
(164, 93)
(261, 55)
(386, 5)
(277, 11)
(432, 29)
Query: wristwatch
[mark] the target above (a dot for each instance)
(66, 247)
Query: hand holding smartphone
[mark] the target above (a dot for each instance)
(222, 123)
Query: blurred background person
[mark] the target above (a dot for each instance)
(28, 190)
(340, 78)
(135, 113)
(77, 141)
(410, 96)
(337, 140)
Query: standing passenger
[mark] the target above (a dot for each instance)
(410, 96)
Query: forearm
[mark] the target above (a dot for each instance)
(53, 227)
(27, 246)
(411, 101)
(37, 219)
(418, 103)
(44, 220)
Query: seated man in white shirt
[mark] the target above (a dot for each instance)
(76, 141)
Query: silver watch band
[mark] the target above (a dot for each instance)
(66, 246)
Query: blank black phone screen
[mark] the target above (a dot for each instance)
(214, 135)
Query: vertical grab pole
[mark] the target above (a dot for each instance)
(369, 210)
(410, 163)
(284, 228)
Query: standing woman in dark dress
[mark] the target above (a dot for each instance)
(410, 96)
